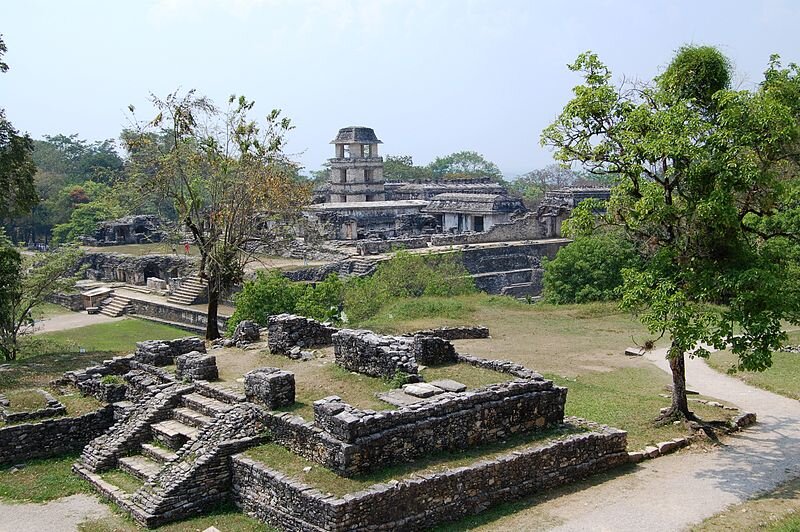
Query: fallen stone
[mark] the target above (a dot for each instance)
(635, 457)
(421, 389)
(635, 351)
(651, 451)
(666, 447)
(398, 398)
(449, 385)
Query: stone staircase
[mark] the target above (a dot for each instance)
(357, 267)
(175, 442)
(193, 290)
(118, 306)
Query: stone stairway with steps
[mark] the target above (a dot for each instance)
(173, 442)
(118, 306)
(193, 290)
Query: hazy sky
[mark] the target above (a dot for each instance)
(431, 77)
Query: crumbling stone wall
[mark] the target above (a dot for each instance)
(425, 500)
(52, 437)
(90, 380)
(454, 333)
(136, 269)
(376, 247)
(372, 354)
(163, 352)
(53, 408)
(196, 366)
(272, 387)
(433, 350)
(451, 421)
(285, 331)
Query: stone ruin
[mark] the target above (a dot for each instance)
(183, 435)
(138, 229)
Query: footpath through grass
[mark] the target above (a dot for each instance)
(782, 378)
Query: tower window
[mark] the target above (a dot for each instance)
(365, 150)
(346, 151)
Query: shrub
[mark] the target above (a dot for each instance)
(112, 379)
(588, 269)
(406, 275)
(268, 294)
(323, 301)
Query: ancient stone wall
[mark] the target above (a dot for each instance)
(192, 319)
(433, 350)
(52, 408)
(376, 247)
(286, 331)
(272, 387)
(424, 500)
(527, 227)
(372, 354)
(163, 352)
(196, 366)
(454, 333)
(53, 437)
(451, 421)
(136, 269)
(74, 302)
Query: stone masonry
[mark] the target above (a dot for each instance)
(196, 366)
(286, 331)
(372, 354)
(163, 352)
(272, 387)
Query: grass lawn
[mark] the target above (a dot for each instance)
(782, 378)
(41, 480)
(114, 337)
(25, 400)
(776, 511)
(48, 310)
(276, 457)
(122, 480)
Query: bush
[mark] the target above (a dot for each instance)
(272, 293)
(406, 275)
(588, 269)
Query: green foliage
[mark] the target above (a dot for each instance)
(406, 275)
(697, 73)
(589, 269)
(323, 300)
(707, 189)
(464, 165)
(398, 379)
(402, 168)
(112, 379)
(268, 294)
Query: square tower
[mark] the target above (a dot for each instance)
(357, 169)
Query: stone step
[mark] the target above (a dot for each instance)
(157, 454)
(191, 417)
(139, 466)
(204, 405)
(173, 433)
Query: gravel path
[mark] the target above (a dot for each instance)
(61, 515)
(72, 320)
(676, 491)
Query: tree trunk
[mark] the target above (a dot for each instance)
(680, 405)
(212, 328)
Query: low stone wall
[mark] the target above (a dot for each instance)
(272, 387)
(53, 437)
(307, 440)
(196, 366)
(286, 331)
(451, 421)
(53, 408)
(74, 302)
(376, 247)
(425, 500)
(372, 354)
(454, 333)
(163, 352)
(502, 366)
(90, 380)
(195, 320)
(433, 351)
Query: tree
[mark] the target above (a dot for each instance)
(229, 182)
(16, 164)
(589, 269)
(464, 165)
(402, 168)
(708, 189)
(24, 284)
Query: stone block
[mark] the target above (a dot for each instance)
(272, 387)
(246, 331)
(449, 385)
(635, 351)
(196, 366)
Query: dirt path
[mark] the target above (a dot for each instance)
(677, 491)
(72, 320)
(61, 515)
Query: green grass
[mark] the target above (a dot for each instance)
(276, 457)
(41, 480)
(25, 400)
(782, 378)
(447, 309)
(468, 375)
(114, 337)
(48, 310)
(123, 480)
(628, 399)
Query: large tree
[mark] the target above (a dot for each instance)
(231, 185)
(464, 165)
(708, 188)
(16, 164)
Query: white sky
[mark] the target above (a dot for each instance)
(431, 77)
